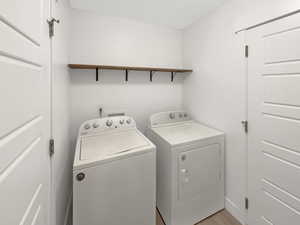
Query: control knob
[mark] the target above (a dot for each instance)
(87, 126)
(172, 115)
(109, 123)
(122, 121)
(95, 125)
(80, 176)
(128, 121)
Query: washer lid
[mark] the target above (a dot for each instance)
(179, 133)
(108, 144)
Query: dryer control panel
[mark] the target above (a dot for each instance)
(169, 117)
(106, 123)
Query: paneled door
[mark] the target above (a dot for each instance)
(274, 123)
(24, 112)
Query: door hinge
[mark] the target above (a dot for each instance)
(246, 51)
(51, 26)
(246, 203)
(245, 125)
(51, 147)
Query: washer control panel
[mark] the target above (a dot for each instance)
(106, 123)
(169, 117)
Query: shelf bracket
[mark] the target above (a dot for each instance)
(172, 76)
(151, 75)
(97, 74)
(126, 75)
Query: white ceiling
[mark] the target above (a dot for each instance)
(173, 13)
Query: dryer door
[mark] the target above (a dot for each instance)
(199, 172)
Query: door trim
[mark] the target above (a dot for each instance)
(268, 21)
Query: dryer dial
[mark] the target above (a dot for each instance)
(172, 115)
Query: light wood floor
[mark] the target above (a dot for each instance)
(221, 218)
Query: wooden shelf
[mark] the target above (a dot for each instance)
(105, 67)
(129, 68)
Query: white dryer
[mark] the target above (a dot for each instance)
(190, 168)
(113, 174)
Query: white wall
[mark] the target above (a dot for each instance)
(63, 157)
(215, 93)
(111, 41)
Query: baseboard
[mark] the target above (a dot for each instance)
(234, 210)
(68, 209)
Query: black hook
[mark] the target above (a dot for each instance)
(126, 76)
(151, 75)
(172, 76)
(97, 74)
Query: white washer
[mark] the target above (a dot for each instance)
(190, 168)
(113, 174)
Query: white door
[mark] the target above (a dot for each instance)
(274, 123)
(24, 112)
